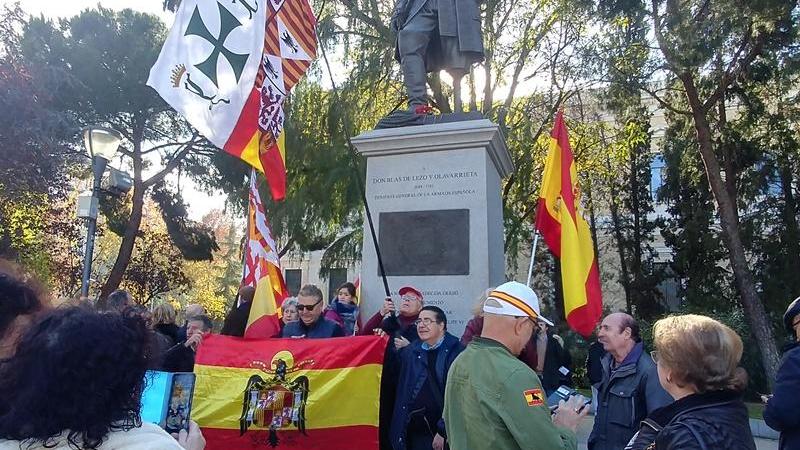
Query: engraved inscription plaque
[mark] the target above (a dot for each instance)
(425, 242)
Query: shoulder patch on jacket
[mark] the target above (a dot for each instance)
(534, 397)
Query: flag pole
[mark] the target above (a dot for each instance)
(533, 256)
(355, 167)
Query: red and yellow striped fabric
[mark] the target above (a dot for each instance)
(262, 269)
(343, 379)
(290, 44)
(567, 234)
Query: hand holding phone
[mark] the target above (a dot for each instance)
(569, 413)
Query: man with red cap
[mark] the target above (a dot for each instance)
(411, 302)
(401, 324)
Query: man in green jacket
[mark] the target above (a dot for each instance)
(492, 399)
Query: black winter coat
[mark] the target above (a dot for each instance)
(782, 412)
(709, 421)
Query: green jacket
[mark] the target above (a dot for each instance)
(494, 401)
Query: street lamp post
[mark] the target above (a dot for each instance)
(102, 144)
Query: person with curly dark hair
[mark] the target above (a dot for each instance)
(21, 299)
(76, 381)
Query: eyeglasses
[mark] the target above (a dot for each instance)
(796, 322)
(654, 355)
(426, 321)
(409, 298)
(301, 307)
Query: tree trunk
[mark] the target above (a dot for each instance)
(126, 247)
(135, 220)
(638, 296)
(473, 95)
(754, 309)
(625, 276)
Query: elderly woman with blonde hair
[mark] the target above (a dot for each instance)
(698, 365)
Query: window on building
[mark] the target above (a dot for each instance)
(668, 287)
(336, 278)
(657, 174)
(293, 278)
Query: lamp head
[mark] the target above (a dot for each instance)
(101, 141)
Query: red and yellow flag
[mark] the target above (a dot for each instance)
(567, 234)
(290, 44)
(262, 269)
(296, 393)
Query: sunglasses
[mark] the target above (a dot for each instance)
(301, 307)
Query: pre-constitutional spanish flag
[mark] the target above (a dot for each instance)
(289, 393)
(567, 234)
(262, 269)
(228, 66)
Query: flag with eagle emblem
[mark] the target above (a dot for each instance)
(227, 68)
(289, 394)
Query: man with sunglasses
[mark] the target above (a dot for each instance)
(417, 422)
(311, 324)
(495, 401)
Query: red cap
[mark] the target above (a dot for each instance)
(408, 289)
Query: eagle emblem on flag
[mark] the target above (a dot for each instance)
(278, 401)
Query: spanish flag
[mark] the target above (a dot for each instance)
(227, 67)
(567, 234)
(288, 393)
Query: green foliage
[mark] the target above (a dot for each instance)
(689, 229)
(194, 240)
(156, 267)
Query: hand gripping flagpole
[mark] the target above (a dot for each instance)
(355, 166)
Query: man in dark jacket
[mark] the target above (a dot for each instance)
(180, 358)
(417, 422)
(554, 363)
(630, 389)
(782, 412)
(236, 320)
(311, 324)
(403, 328)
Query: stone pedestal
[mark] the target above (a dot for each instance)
(434, 193)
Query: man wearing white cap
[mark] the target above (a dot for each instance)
(492, 399)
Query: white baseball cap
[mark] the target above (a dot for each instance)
(515, 299)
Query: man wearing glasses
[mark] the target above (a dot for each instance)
(402, 324)
(417, 420)
(311, 324)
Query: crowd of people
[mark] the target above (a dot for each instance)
(72, 376)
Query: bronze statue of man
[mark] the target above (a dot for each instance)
(433, 35)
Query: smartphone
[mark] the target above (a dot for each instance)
(167, 399)
(586, 402)
(179, 409)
